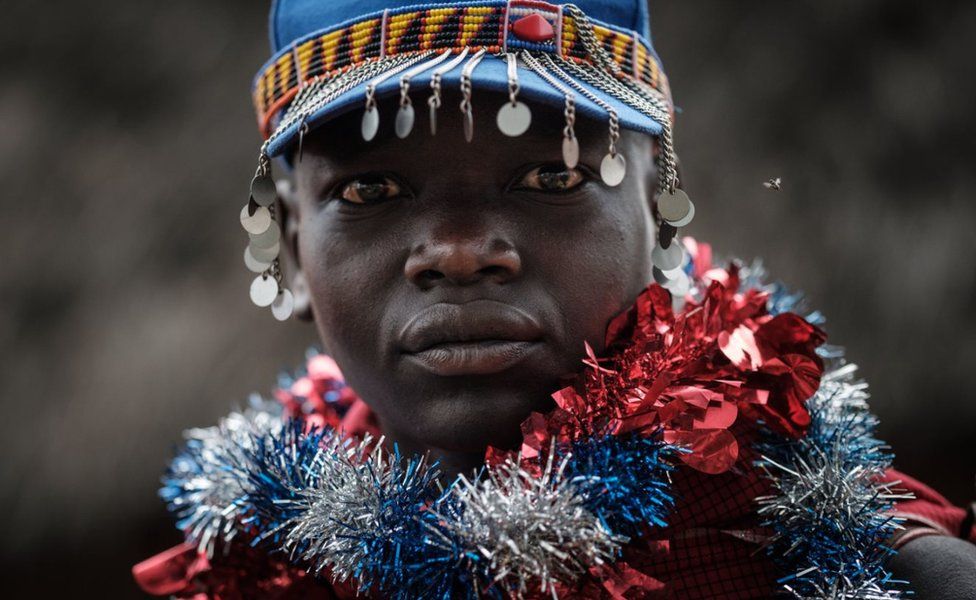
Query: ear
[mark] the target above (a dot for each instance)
(290, 223)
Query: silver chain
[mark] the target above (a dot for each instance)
(435, 79)
(513, 82)
(593, 48)
(319, 93)
(466, 90)
(406, 78)
(614, 119)
(668, 167)
(570, 110)
(466, 73)
(604, 75)
(371, 86)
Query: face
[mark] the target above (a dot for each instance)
(456, 283)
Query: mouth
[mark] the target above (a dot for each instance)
(475, 338)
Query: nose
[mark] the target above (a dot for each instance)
(462, 260)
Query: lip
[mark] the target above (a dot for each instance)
(475, 338)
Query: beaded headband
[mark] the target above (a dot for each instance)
(407, 30)
(593, 67)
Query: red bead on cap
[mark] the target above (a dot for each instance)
(533, 28)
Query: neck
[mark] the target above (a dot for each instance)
(450, 463)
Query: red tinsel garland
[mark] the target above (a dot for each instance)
(691, 374)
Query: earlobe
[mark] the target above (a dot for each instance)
(303, 300)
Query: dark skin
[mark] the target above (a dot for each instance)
(465, 222)
(380, 233)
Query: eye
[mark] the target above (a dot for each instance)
(370, 188)
(551, 178)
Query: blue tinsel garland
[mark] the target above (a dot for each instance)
(382, 519)
(830, 511)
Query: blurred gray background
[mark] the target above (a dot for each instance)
(127, 141)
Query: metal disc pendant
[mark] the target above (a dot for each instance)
(263, 190)
(673, 207)
(264, 290)
(265, 254)
(679, 286)
(404, 121)
(371, 123)
(267, 239)
(571, 152)
(468, 126)
(667, 259)
(254, 265)
(688, 218)
(514, 119)
(660, 277)
(256, 223)
(283, 305)
(613, 169)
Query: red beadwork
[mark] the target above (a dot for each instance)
(533, 28)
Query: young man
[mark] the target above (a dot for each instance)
(483, 193)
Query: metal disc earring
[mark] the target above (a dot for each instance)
(261, 255)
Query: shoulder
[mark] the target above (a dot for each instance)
(937, 567)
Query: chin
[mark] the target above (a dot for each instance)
(475, 417)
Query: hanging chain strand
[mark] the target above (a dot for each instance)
(570, 96)
(466, 91)
(605, 74)
(319, 93)
(611, 112)
(264, 170)
(513, 82)
(466, 87)
(667, 165)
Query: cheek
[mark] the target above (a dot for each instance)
(349, 283)
(597, 267)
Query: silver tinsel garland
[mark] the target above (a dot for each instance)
(203, 487)
(356, 511)
(533, 531)
(830, 510)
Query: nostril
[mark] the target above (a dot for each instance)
(493, 271)
(431, 275)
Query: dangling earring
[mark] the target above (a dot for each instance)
(675, 210)
(264, 246)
